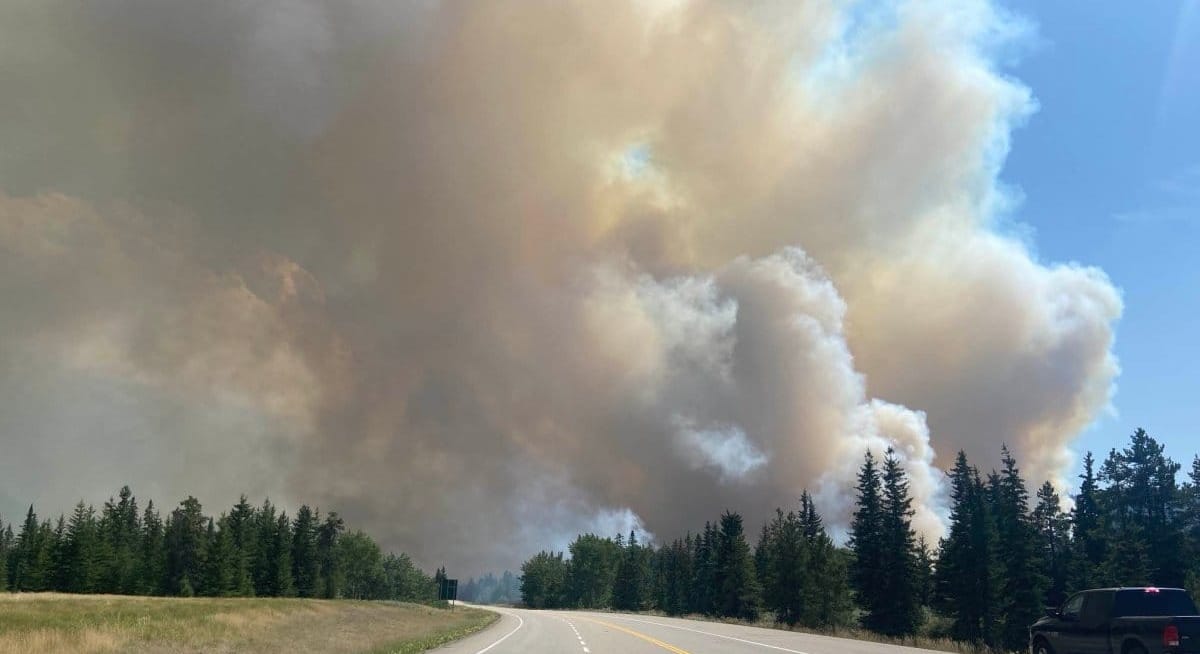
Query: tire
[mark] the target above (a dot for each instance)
(1041, 646)
(1135, 649)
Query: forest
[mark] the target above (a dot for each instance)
(247, 551)
(1134, 520)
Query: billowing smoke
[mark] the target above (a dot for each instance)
(482, 275)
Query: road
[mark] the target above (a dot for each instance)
(521, 631)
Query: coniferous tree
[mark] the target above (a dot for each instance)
(1089, 543)
(734, 582)
(152, 554)
(1024, 586)
(898, 612)
(280, 564)
(120, 532)
(220, 562)
(924, 572)
(783, 563)
(83, 551)
(867, 544)
(59, 574)
(244, 535)
(330, 571)
(306, 567)
(186, 541)
(1054, 543)
(632, 582)
(704, 571)
(3, 559)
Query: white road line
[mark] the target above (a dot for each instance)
(520, 623)
(709, 633)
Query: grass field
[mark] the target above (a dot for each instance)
(49, 622)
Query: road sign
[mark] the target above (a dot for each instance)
(449, 590)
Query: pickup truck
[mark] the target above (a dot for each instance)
(1119, 621)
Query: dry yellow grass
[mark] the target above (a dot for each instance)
(50, 622)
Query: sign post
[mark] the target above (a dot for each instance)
(448, 591)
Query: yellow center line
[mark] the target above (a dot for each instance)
(637, 634)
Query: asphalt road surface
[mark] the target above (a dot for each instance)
(521, 631)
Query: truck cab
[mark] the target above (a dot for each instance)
(1142, 620)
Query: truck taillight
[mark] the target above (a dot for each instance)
(1171, 636)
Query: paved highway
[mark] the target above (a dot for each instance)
(521, 631)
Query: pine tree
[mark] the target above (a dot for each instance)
(119, 535)
(704, 571)
(59, 575)
(783, 562)
(867, 544)
(734, 582)
(924, 572)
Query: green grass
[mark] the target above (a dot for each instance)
(49, 622)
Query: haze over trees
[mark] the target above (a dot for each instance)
(245, 552)
(1006, 554)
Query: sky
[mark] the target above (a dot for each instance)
(1109, 171)
(481, 276)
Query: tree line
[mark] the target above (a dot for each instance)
(1004, 557)
(490, 589)
(247, 551)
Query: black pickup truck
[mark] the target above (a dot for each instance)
(1119, 621)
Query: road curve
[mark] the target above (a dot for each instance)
(521, 631)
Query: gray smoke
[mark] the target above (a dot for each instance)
(483, 275)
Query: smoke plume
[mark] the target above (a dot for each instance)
(483, 275)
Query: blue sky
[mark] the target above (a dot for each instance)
(1109, 168)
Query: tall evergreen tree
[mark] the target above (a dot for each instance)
(83, 550)
(306, 567)
(220, 561)
(152, 554)
(327, 538)
(783, 564)
(1089, 544)
(280, 562)
(186, 541)
(867, 544)
(1024, 586)
(898, 612)
(120, 533)
(3, 559)
(244, 535)
(734, 583)
(1054, 543)
(631, 585)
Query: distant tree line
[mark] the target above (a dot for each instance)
(248, 551)
(1004, 557)
(490, 589)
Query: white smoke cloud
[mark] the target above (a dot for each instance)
(484, 275)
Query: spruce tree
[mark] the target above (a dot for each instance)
(867, 544)
(1089, 544)
(83, 544)
(3, 559)
(898, 612)
(1024, 586)
(631, 585)
(1054, 544)
(734, 582)
(244, 535)
(327, 538)
(281, 559)
(186, 541)
(783, 555)
(306, 567)
(59, 576)
(152, 554)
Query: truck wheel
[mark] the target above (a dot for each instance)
(1040, 646)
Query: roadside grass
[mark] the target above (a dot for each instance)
(55, 622)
